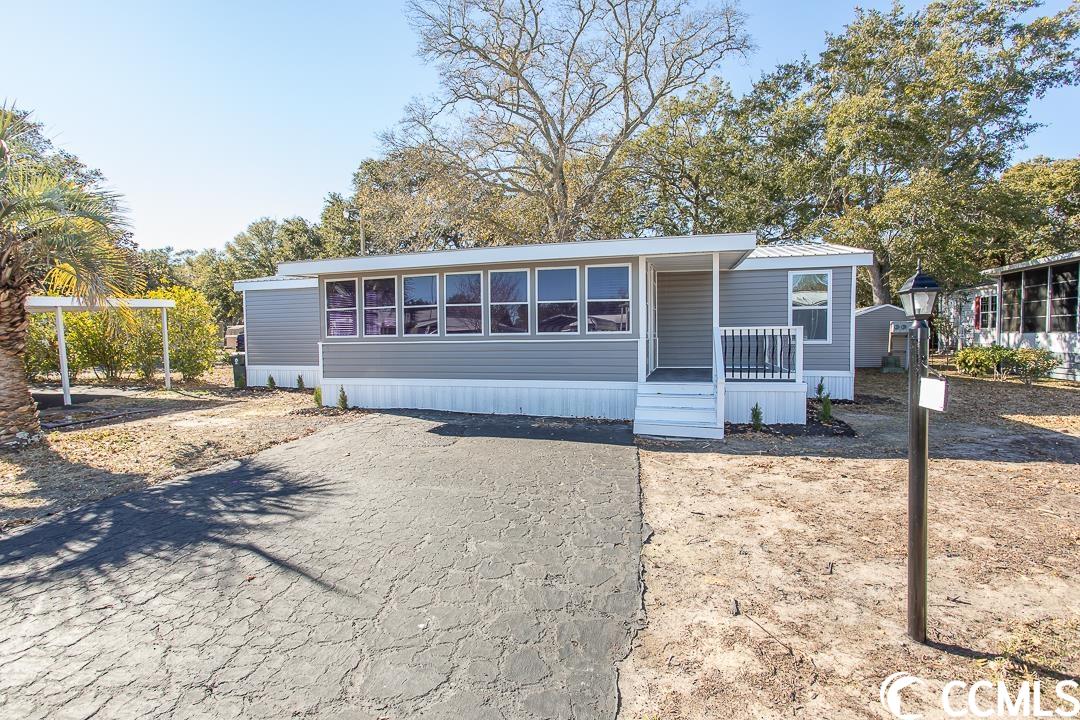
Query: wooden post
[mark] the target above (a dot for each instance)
(61, 343)
(165, 347)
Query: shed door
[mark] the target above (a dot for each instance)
(684, 319)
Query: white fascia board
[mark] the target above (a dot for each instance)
(807, 261)
(243, 285)
(538, 252)
(44, 303)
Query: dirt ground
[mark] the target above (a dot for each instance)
(775, 577)
(158, 435)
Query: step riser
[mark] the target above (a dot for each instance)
(678, 431)
(700, 389)
(661, 415)
(676, 401)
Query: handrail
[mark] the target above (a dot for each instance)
(764, 353)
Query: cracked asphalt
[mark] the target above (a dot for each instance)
(403, 565)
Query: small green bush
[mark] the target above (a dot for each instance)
(755, 416)
(342, 399)
(42, 356)
(826, 408)
(101, 341)
(317, 397)
(300, 382)
(1028, 364)
(270, 383)
(980, 361)
(820, 390)
(1031, 364)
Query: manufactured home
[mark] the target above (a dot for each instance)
(679, 334)
(1028, 304)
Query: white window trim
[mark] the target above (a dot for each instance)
(528, 301)
(437, 305)
(327, 308)
(828, 304)
(576, 300)
(447, 304)
(397, 305)
(630, 300)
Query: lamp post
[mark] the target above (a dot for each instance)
(354, 214)
(917, 295)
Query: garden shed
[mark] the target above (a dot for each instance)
(59, 305)
(872, 335)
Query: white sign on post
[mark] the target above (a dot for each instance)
(933, 394)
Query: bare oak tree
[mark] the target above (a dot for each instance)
(539, 97)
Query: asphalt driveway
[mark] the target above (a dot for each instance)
(426, 565)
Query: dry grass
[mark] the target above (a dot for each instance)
(808, 535)
(168, 434)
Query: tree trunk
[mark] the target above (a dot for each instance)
(18, 411)
(878, 286)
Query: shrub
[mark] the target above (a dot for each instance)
(299, 382)
(342, 399)
(145, 344)
(820, 390)
(979, 361)
(101, 341)
(755, 416)
(1030, 364)
(193, 336)
(42, 356)
(317, 396)
(270, 382)
(826, 408)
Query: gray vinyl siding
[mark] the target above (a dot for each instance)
(760, 297)
(281, 327)
(485, 269)
(684, 318)
(872, 336)
(570, 360)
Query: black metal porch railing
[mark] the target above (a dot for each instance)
(762, 354)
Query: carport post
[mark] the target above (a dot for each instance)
(165, 347)
(61, 344)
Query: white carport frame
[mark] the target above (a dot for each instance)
(57, 306)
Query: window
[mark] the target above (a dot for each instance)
(1063, 292)
(420, 304)
(607, 298)
(340, 308)
(557, 300)
(1010, 302)
(986, 312)
(810, 304)
(1035, 294)
(380, 306)
(508, 293)
(464, 308)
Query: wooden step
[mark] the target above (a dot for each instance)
(699, 416)
(677, 401)
(678, 430)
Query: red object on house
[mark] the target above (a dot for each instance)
(978, 307)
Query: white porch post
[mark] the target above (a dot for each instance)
(644, 331)
(165, 347)
(61, 344)
(716, 290)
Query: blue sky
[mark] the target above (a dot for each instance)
(208, 115)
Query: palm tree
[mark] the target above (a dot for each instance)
(56, 234)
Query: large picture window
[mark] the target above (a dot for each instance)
(341, 308)
(508, 293)
(420, 304)
(809, 306)
(557, 300)
(380, 306)
(607, 298)
(464, 303)
(1035, 294)
(1011, 286)
(1063, 293)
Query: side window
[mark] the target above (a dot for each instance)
(420, 300)
(810, 300)
(380, 306)
(1010, 302)
(508, 293)
(1035, 296)
(340, 308)
(607, 298)
(464, 303)
(1063, 292)
(557, 300)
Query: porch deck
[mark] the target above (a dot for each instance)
(680, 375)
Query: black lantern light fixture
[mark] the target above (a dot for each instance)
(918, 296)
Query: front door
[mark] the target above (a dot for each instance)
(683, 322)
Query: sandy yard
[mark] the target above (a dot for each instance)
(158, 435)
(808, 536)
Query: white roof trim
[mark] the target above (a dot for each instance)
(740, 243)
(48, 303)
(872, 308)
(275, 283)
(800, 262)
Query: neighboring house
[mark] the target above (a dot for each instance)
(872, 326)
(1029, 304)
(677, 333)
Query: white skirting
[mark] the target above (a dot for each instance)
(779, 402)
(613, 401)
(839, 385)
(284, 375)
